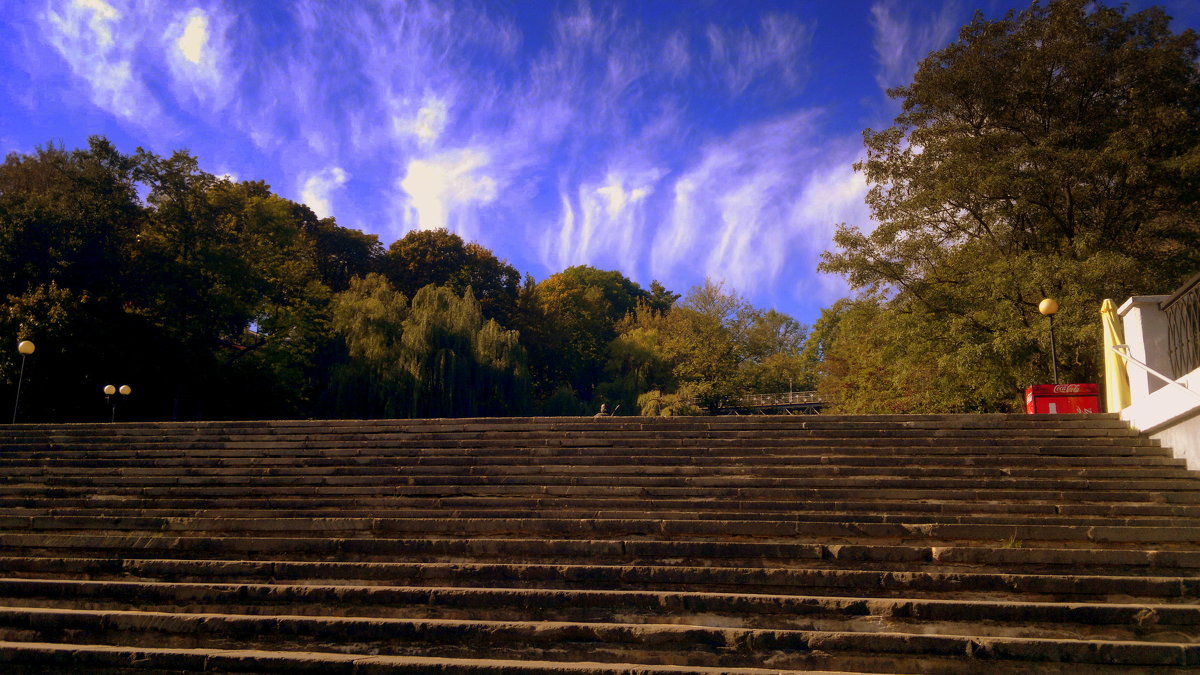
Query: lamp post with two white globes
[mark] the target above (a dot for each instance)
(25, 347)
(1049, 308)
(109, 390)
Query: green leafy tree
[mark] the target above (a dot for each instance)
(435, 357)
(577, 311)
(440, 257)
(1052, 153)
(705, 352)
(370, 381)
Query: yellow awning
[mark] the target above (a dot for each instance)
(1116, 379)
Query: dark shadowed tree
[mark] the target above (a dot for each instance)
(339, 253)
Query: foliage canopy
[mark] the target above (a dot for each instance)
(1052, 153)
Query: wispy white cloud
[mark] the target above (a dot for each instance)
(771, 52)
(97, 39)
(198, 55)
(576, 146)
(194, 39)
(317, 189)
(902, 38)
(833, 193)
(445, 190)
(603, 223)
(761, 205)
(729, 209)
(428, 123)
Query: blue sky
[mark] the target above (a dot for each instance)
(669, 139)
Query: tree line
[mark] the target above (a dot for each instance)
(1054, 152)
(218, 299)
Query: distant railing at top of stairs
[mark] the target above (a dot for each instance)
(784, 401)
(781, 398)
(1183, 327)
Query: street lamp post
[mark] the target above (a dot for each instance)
(1049, 308)
(25, 347)
(109, 390)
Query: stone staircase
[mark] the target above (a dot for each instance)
(893, 544)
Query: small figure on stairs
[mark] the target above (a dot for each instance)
(604, 411)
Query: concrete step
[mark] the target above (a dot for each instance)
(568, 423)
(840, 431)
(561, 471)
(1139, 622)
(572, 641)
(1179, 485)
(793, 530)
(1086, 465)
(798, 495)
(887, 571)
(1000, 556)
(1020, 449)
(44, 657)
(113, 504)
(931, 544)
(651, 510)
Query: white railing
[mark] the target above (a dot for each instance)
(1123, 352)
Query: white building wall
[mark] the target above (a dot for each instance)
(1168, 412)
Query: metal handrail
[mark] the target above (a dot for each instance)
(1123, 352)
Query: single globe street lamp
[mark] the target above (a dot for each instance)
(1049, 308)
(25, 347)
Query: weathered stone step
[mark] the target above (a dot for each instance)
(799, 530)
(465, 458)
(608, 491)
(567, 641)
(1142, 622)
(540, 480)
(814, 580)
(394, 469)
(651, 510)
(1002, 555)
(843, 431)
(419, 428)
(1018, 452)
(378, 504)
(955, 527)
(44, 657)
(600, 443)
(759, 579)
(500, 424)
(1117, 465)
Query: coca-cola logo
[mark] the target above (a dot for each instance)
(1067, 388)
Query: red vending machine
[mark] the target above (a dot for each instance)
(1062, 398)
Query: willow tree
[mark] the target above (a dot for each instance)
(461, 365)
(370, 382)
(1054, 152)
(435, 357)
